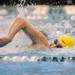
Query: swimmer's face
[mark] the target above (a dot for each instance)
(57, 44)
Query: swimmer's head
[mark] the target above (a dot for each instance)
(66, 40)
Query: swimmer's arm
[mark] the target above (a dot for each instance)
(15, 27)
(23, 24)
(40, 37)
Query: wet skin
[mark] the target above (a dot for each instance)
(19, 24)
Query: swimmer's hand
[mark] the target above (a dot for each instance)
(4, 41)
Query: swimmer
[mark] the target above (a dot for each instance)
(37, 37)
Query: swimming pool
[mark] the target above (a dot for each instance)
(51, 20)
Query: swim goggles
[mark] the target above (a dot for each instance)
(57, 44)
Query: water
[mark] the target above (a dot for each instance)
(36, 68)
(18, 67)
(56, 20)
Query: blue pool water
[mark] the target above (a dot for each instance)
(36, 68)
